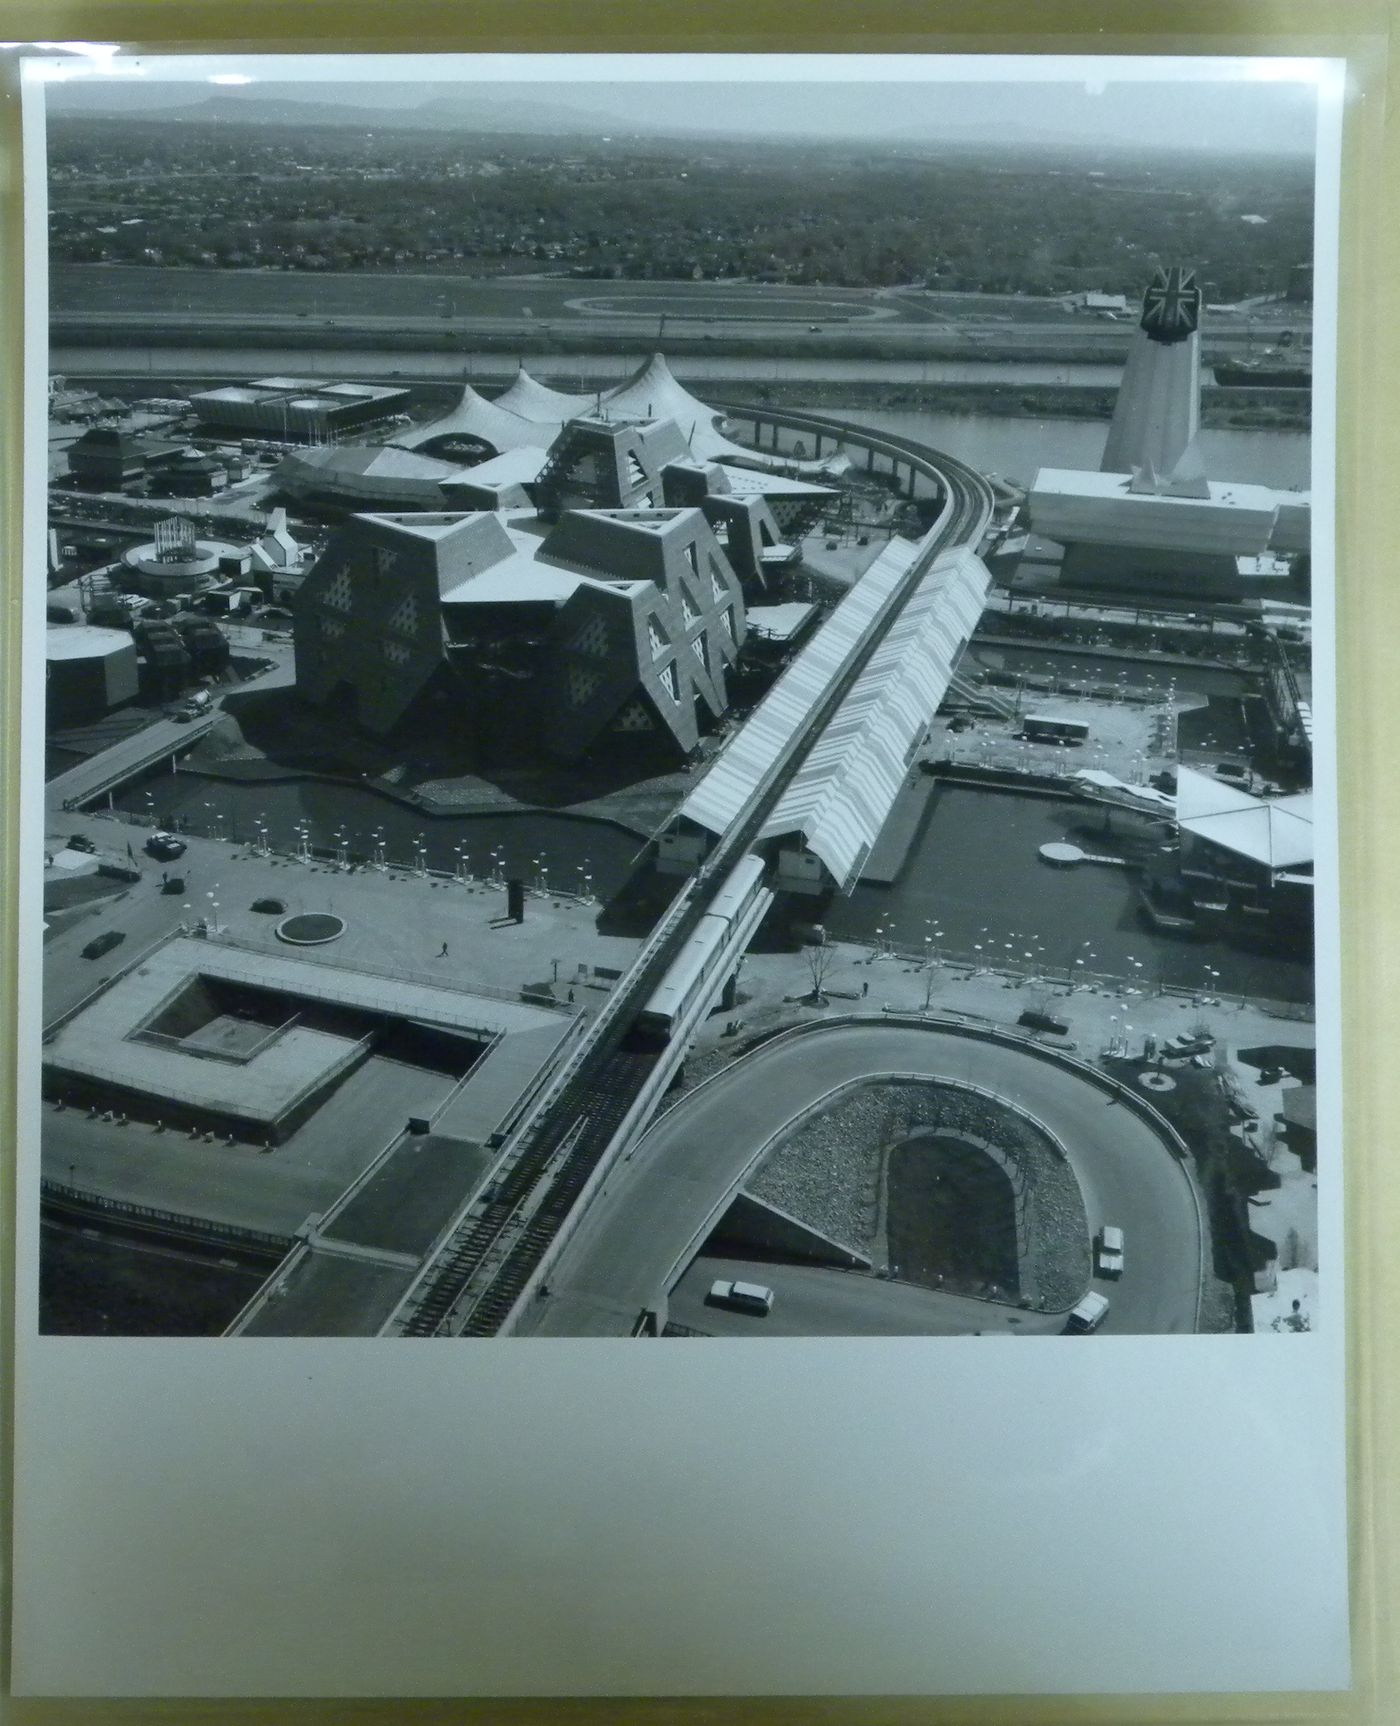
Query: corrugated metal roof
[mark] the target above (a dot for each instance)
(844, 791)
(788, 706)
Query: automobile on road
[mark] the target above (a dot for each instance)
(741, 1296)
(103, 943)
(165, 847)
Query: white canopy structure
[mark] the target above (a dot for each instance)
(533, 400)
(1276, 832)
(475, 417)
(531, 415)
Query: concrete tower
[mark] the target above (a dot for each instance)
(1153, 434)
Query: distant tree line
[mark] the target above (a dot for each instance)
(337, 199)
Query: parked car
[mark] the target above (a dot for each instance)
(104, 943)
(1088, 1315)
(81, 842)
(1110, 1252)
(165, 847)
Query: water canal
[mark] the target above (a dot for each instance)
(561, 851)
(1015, 446)
(975, 888)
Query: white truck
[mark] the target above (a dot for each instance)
(742, 1297)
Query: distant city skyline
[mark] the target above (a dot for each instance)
(1239, 115)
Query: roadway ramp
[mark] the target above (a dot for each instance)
(753, 1228)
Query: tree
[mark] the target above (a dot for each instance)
(819, 960)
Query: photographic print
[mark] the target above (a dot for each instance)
(684, 710)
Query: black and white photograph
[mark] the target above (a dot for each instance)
(681, 710)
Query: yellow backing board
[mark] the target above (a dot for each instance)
(1368, 454)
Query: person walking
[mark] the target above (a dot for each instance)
(443, 953)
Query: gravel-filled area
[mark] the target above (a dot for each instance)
(827, 1172)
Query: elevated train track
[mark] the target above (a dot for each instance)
(601, 1096)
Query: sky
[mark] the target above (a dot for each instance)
(1264, 115)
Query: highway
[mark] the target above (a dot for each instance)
(86, 298)
(663, 1200)
(815, 1301)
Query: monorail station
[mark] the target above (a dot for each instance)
(826, 822)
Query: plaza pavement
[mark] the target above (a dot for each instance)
(397, 923)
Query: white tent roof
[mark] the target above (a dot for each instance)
(531, 415)
(474, 416)
(1277, 832)
(533, 400)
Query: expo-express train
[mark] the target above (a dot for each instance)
(698, 960)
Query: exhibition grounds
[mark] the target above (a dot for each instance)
(531, 864)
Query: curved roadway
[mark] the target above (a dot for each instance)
(657, 1206)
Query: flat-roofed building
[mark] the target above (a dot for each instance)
(1116, 535)
(300, 409)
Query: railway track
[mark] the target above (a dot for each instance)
(480, 1275)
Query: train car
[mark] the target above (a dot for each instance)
(694, 966)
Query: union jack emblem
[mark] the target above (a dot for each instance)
(1171, 307)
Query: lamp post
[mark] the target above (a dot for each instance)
(377, 841)
(214, 928)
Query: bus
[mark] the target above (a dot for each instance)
(1048, 728)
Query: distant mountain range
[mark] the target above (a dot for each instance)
(235, 108)
(833, 112)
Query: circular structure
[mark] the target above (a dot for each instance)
(90, 671)
(1157, 1081)
(175, 563)
(726, 304)
(310, 928)
(1060, 855)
